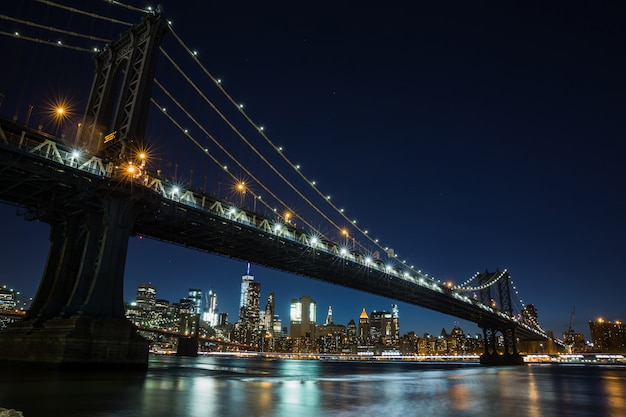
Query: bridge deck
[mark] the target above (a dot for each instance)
(47, 179)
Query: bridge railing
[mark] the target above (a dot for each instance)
(46, 146)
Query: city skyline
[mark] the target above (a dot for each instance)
(468, 139)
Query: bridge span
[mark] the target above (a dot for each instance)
(51, 180)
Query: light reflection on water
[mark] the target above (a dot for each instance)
(223, 386)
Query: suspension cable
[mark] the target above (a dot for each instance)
(36, 40)
(282, 154)
(52, 29)
(75, 10)
(186, 133)
(126, 6)
(234, 129)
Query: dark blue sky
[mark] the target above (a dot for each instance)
(465, 136)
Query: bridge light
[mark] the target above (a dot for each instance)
(314, 241)
(368, 260)
(312, 182)
(388, 268)
(277, 227)
(175, 190)
(343, 251)
(75, 154)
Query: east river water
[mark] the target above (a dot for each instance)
(229, 386)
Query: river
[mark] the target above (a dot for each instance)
(229, 386)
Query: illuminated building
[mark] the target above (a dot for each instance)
(364, 326)
(302, 318)
(331, 337)
(351, 330)
(146, 297)
(381, 325)
(530, 315)
(247, 330)
(268, 321)
(211, 313)
(195, 295)
(608, 336)
(162, 312)
(395, 322)
(7, 299)
(329, 316)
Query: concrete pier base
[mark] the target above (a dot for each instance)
(187, 346)
(75, 343)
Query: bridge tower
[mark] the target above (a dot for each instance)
(77, 317)
(500, 339)
(117, 109)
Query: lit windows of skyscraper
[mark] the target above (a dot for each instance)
(249, 310)
(211, 313)
(364, 327)
(302, 318)
(395, 322)
(329, 316)
(7, 299)
(195, 295)
(269, 315)
(146, 297)
(607, 336)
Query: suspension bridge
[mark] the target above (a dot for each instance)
(101, 184)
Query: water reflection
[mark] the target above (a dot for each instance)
(255, 387)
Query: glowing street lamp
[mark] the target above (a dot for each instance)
(59, 114)
(240, 187)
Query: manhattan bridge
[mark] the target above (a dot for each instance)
(100, 184)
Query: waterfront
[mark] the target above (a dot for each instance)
(229, 386)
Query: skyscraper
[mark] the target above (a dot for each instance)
(249, 310)
(195, 295)
(364, 326)
(146, 297)
(607, 336)
(302, 318)
(269, 315)
(211, 313)
(329, 316)
(395, 322)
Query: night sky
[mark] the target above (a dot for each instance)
(466, 136)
